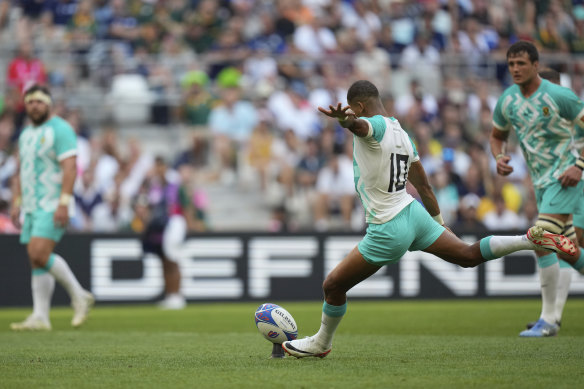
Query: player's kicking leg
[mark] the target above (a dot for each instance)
(452, 249)
(352, 270)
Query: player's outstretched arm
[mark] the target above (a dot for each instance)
(417, 176)
(347, 119)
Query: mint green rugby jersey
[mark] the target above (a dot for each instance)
(381, 162)
(546, 140)
(40, 150)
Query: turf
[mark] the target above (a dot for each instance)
(400, 344)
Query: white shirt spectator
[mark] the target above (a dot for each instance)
(313, 40)
(337, 183)
(299, 116)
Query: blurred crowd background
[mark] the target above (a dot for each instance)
(221, 96)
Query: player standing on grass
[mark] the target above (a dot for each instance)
(576, 234)
(42, 190)
(543, 115)
(384, 158)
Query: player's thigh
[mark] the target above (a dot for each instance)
(557, 200)
(388, 242)
(39, 250)
(352, 270)
(43, 226)
(426, 229)
(451, 248)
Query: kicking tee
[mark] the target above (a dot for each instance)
(41, 149)
(381, 161)
(544, 124)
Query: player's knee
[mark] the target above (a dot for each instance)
(550, 224)
(331, 286)
(470, 258)
(37, 259)
(37, 256)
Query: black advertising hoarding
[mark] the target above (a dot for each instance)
(262, 267)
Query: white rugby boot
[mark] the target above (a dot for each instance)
(173, 302)
(82, 305)
(549, 241)
(32, 323)
(307, 347)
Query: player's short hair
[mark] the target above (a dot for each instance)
(523, 47)
(37, 88)
(362, 90)
(550, 75)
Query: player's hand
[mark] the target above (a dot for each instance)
(338, 112)
(571, 177)
(503, 167)
(15, 216)
(61, 216)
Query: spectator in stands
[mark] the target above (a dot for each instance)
(548, 37)
(260, 151)
(114, 213)
(24, 70)
(335, 191)
(81, 31)
(7, 159)
(523, 17)
(197, 155)
(292, 110)
(420, 56)
(231, 124)
(314, 38)
(58, 14)
(446, 194)
(107, 158)
(197, 101)
(501, 218)
(416, 102)
(87, 197)
(287, 151)
(468, 221)
(204, 27)
(373, 63)
(309, 166)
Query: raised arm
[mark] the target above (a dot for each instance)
(347, 119)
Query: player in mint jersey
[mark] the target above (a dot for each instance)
(574, 230)
(540, 112)
(384, 158)
(42, 191)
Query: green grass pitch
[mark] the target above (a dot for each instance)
(396, 344)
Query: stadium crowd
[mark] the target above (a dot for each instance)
(246, 77)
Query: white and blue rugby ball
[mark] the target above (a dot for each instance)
(275, 323)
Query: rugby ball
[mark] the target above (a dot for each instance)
(275, 323)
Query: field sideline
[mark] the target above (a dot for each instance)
(398, 344)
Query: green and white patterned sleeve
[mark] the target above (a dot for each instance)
(65, 141)
(377, 125)
(500, 122)
(571, 107)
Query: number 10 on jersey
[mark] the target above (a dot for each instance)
(398, 174)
